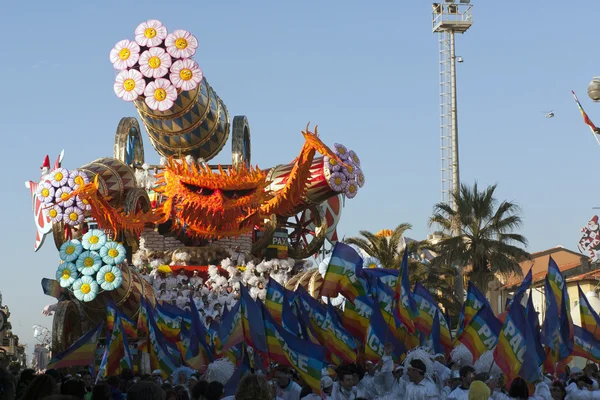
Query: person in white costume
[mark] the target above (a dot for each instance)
(466, 378)
(195, 280)
(384, 369)
(519, 391)
(366, 387)
(343, 388)
(287, 389)
(420, 386)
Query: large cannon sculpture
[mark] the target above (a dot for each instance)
(188, 125)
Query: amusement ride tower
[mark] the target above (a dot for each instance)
(449, 18)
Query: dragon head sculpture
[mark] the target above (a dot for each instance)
(211, 203)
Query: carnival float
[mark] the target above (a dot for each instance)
(118, 219)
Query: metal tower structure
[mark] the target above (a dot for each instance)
(449, 18)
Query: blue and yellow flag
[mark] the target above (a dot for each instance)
(340, 341)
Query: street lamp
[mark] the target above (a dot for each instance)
(594, 89)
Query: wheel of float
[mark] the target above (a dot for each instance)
(66, 326)
(129, 129)
(307, 231)
(240, 142)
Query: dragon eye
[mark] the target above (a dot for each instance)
(202, 191)
(236, 194)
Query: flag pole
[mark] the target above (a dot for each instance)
(586, 119)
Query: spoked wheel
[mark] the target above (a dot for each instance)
(307, 231)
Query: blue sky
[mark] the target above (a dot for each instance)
(365, 72)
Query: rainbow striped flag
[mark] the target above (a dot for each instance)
(586, 345)
(378, 334)
(231, 332)
(307, 358)
(316, 314)
(168, 320)
(357, 316)
(81, 353)
(341, 341)
(274, 299)
(343, 274)
(515, 351)
(116, 355)
(406, 305)
(161, 355)
(556, 279)
(128, 326)
(561, 295)
(196, 352)
(387, 304)
(525, 284)
(481, 334)
(474, 301)
(144, 315)
(589, 317)
(428, 310)
(254, 330)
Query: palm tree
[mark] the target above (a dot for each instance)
(384, 247)
(388, 247)
(487, 241)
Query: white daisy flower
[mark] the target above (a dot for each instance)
(331, 164)
(150, 33)
(61, 196)
(155, 63)
(125, 54)
(351, 189)
(160, 94)
(78, 179)
(113, 253)
(73, 216)
(349, 170)
(85, 288)
(56, 214)
(341, 151)
(94, 239)
(89, 262)
(59, 177)
(70, 251)
(181, 44)
(371, 262)
(66, 274)
(109, 277)
(186, 74)
(360, 177)
(129, 84)
(45, 192)
(83, 204)
(338, 182)
(353, 157)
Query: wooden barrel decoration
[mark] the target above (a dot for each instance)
(67, 326)
(115, 178)
(318, 189)
(196, 125)
(126, 297)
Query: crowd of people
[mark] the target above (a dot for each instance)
(420, 377)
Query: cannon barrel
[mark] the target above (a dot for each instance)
(318, 188)
(196, 125)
